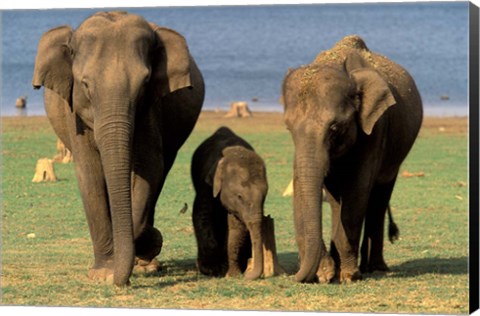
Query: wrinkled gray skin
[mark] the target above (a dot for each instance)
(123, 95)
(353, 116)
(231, 185)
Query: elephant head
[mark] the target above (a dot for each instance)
(240, 181)
(107, 70)
(328, 107)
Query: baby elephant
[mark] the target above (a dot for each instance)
(231, 184)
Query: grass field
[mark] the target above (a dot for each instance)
(429, 264)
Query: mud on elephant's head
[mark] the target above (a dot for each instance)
(240, 180)
(335, 102)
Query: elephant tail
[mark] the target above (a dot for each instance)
(393, 231)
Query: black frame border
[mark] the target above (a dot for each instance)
(474, 159)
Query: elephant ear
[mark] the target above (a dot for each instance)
(171, 62)
(374, 92)
(214, 177)
(53, 63)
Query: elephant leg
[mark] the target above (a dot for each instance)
(148, 239)
(238, 237)
(346, 232)
(92, 186)
(373, 237)
(210, 229)
(148, 177)
(336, 210)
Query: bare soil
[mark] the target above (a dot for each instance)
(261, 121)
(267, 120)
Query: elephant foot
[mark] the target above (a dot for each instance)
(348, 276)
(364, 266)
(233, 272)
(326, 270)
(378, 266)
(372, 266)
(146, 266)
(102, 271)
(149, 244)
(211, 269)
(101, 275)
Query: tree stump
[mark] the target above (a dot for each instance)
(63, 154)
(271, 266)
(239, 109)
(289, 190)
(44, 171)
(21, 102)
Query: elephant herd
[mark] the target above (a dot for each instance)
(124, 94)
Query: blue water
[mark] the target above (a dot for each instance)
(245, 51)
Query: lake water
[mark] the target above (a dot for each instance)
(245, 51)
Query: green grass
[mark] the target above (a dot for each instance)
(428, 264)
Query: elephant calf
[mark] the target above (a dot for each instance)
(230, 184)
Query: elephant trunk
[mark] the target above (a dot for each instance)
(114, 135)
(310, 166)
(255, 229)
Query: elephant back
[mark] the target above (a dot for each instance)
(336, 55)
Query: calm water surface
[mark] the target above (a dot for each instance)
(245, 51)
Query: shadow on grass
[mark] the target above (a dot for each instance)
(417, 267)
(184, 270)
(181, 271)
(412, 268)
(289, 262)
(454, 266)
(179, 267)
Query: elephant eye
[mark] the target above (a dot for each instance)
(86, 88)
(334, 126)
(240, 197)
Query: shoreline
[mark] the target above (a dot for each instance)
(260, 106)
(437, 124)
(255, 114)
(261, 113)
(23, 113)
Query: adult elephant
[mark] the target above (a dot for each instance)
(353, 116)
(123, 95)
